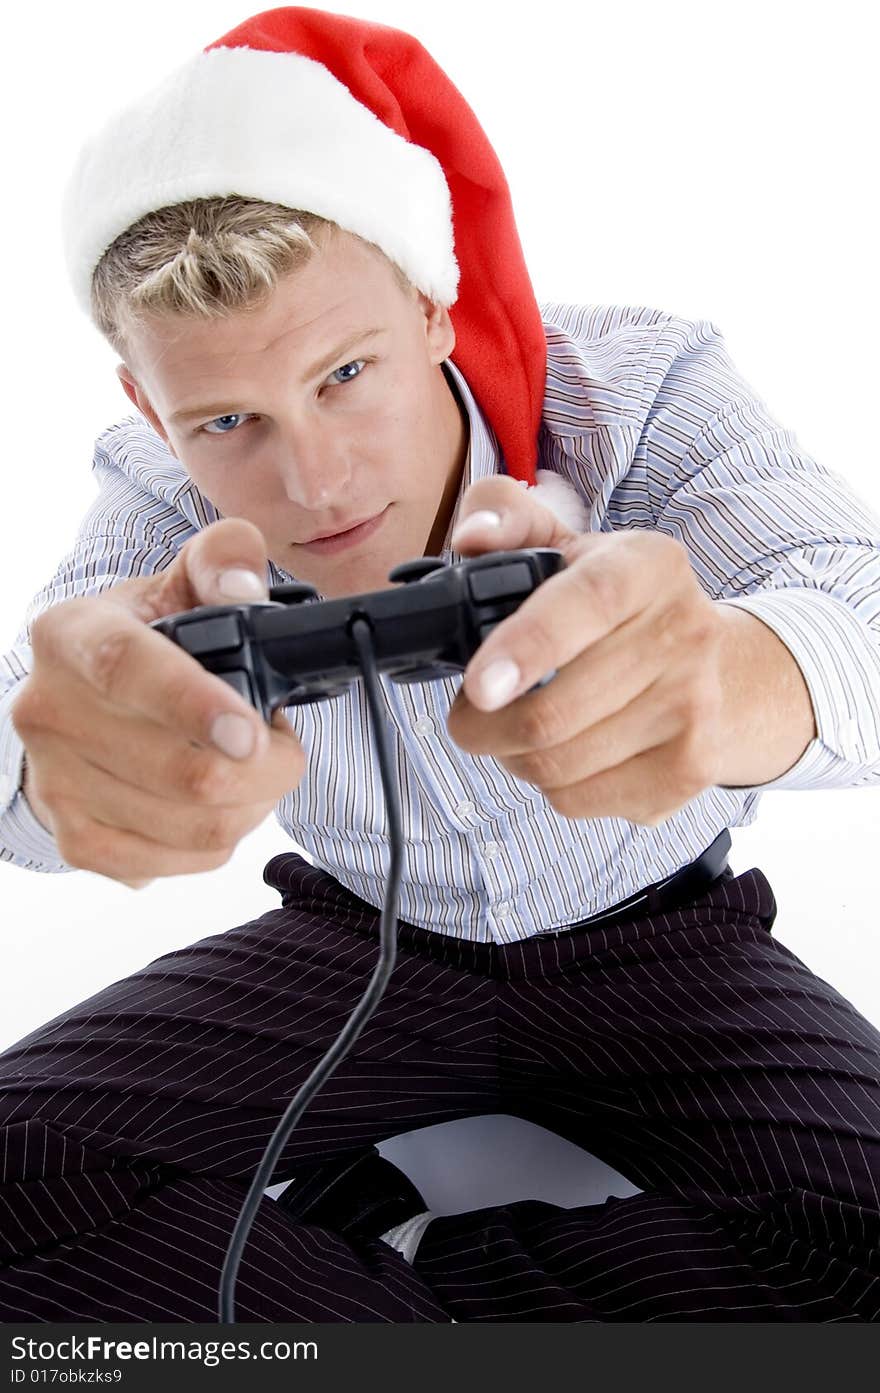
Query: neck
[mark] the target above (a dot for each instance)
(456, 431)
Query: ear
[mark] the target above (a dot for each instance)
(135, 392)
(439, 333)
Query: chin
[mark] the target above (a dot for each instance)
(357, 576)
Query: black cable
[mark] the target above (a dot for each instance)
(362, 635)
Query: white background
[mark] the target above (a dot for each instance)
(712, 160)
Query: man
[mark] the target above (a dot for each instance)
(324, 393)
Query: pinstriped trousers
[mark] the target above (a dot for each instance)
(689, 1050)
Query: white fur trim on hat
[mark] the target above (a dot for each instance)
(274, 126)
(561, 498)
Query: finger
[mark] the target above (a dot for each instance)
(231, 545)
(651, 720)
(147, 758)
(126, 856)
(583, 694)
(160, 820)
(521, 520)
(163, 823)
(646, 789)
(139, 671)
(222, 564)
(611, 581)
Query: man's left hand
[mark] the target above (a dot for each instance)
(630, 724)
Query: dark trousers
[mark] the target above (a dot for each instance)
(689, 1050)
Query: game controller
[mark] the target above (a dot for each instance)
(296, 648)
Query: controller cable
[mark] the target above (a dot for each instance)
(361, 631)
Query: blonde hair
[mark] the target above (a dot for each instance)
(204, 258)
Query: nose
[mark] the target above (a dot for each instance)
(315, 470)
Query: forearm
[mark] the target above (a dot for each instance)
(767, 719)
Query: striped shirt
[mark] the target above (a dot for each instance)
(647, 416)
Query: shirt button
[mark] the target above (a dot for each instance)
(466, 809)
(491, 850)
(8, 790)
(503, 909)
(424, 726)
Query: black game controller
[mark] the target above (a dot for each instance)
(294, 648)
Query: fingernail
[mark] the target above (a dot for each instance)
(474, 523)
(496, 683)
(239, 584)
(234, 735)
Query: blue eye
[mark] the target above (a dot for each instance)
(233, 416)
(359, 363)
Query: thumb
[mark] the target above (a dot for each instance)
(225, 563)
(497, 514)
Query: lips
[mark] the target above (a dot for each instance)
(325, 536)
(351, 537)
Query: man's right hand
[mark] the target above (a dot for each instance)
(138, 761)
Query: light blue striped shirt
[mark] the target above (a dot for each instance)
(647, 416)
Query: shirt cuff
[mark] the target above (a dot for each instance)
(839, 656)
(23, 839)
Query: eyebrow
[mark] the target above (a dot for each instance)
(323, 365)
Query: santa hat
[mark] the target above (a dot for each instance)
(355, 122)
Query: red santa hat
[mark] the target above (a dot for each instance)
(353, 121)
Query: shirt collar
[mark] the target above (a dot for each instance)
(484, 455)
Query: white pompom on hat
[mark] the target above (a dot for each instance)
(355, 122)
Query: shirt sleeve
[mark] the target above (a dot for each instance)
(99, 559)
(771, 531)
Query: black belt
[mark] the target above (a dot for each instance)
(688, 883)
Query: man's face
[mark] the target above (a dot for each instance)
(326, 407)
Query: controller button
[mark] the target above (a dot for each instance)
(240, 682)
(216, 635)
(409, 571)
(294, 592)
(501, 582)
(486, 629)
